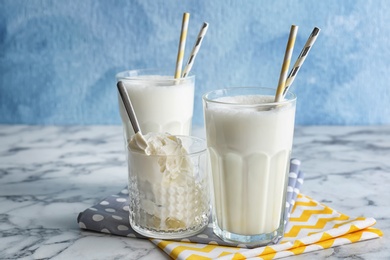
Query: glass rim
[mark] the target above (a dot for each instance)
(134, 75)
(292, 98)
(199, 151)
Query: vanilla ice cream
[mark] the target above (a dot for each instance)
(166, 193)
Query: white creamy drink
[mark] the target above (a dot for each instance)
(249, 148)
(161, 103)
(165, 194)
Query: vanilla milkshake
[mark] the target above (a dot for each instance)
(168, 187)
(161, 103)
(249, 138)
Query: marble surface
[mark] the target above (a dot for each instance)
(48, 174)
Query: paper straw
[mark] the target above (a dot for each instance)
(286, 62)
(195, 49)
(182, 45)
(301, 58)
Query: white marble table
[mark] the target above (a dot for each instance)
(49, 174)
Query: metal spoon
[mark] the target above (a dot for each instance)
(129, 109)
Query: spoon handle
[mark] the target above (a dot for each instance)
(128, 106)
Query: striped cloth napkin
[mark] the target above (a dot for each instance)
(310, 226)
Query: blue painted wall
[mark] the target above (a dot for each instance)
(58, 59)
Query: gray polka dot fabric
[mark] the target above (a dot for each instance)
(111, 215)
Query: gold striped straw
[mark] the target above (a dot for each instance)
(182, 45)
(301, 58)
(195, 49)
(286, 62)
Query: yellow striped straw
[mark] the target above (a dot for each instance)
(182, 45)
(286, 62)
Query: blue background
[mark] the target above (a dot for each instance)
(58, 59)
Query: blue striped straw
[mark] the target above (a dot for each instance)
(301, 58)
(195, 49)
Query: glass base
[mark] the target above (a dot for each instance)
(174, 234)
(257, 240)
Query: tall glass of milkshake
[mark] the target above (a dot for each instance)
(161, 103)
(249, 138)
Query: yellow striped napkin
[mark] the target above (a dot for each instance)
(312, 226)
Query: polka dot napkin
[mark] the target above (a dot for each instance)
(310, 226)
